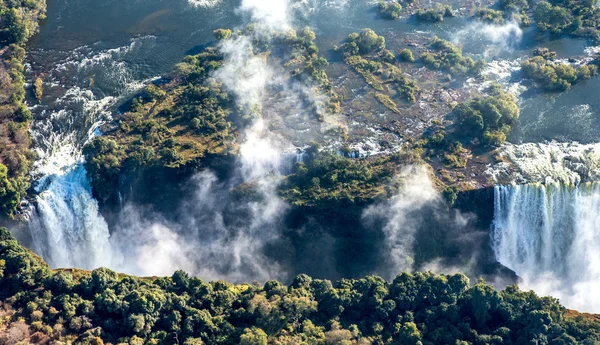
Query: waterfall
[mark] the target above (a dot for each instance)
(550, 236)
(66, 226)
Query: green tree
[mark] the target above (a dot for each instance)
(253, 336)
(552, 18)
(409, 334)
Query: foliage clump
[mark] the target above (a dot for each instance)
(434, 15)
(551, 18)
(448, 57)
(514, 5)
(332, 177)
(406, 55)
(554, 75)
(222, 34)
(390, 11)
(365, 42)
(387, 102)
(506, 10)
(576, 18)
(489, 15)
(488, 119)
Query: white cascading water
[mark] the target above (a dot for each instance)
(549, 235)
(67, 228)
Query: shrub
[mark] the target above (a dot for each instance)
(38, 88)
(406, 55)
(388, 56)
(153, 92)
(222, 34)
(513, 5)
(448, 57)
(365, 42)
(390, 11)
(490, 16)
(431, 16)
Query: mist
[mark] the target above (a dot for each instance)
(498, 39)
(423, 233)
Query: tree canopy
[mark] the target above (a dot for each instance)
(81, 307)
(489, 118)
(18, 22)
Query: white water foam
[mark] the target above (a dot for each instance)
(205, 3)
(566, 163)
(499, 72)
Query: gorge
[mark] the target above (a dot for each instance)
(68, 226)
(260, 141)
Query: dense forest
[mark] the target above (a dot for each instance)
(18, 22)
(39, 305)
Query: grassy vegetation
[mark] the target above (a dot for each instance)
(18, 22)
(379, 67)
(367, 70)
(387, 102)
